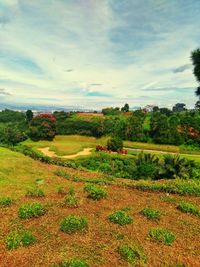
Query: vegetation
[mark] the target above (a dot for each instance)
(132, 253)
(151, 214)
(120, 217)
(71, 200)
(114, 144)
(5, 201)
(189, 208)
(95, 192)
(31, 210)
(73, 224)
(35, 192)
(72, 263)
(162, 235)
(20, 238)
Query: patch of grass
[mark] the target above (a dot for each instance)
(19, 239)
(132, 253)
(31, 210)
(162, 235)
(189, 208)
(169, 199)
(73, 224)
(150, 213)
(95, 192)
(5, 201)
(35, 192)
(71, 200)
(120, 217)
(61, 190)
(72, 263)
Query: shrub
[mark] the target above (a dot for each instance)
(188, 208)
(115, 144)
(35, 192)
(133, 254)
(162, 235)
(72, 263)
(5, 202)
(19, 239)
(31, 210)
(95, 192)
(147, 166)
(120, 217)
(150, 213)
(72, 224)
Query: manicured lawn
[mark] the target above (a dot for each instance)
(67, 145)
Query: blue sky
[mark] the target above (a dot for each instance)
(97, 53)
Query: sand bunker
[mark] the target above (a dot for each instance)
(52, 154)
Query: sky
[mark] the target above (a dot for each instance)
(98, 53)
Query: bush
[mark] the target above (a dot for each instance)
(35, 192)
(95, 192)
(162, 235)
(133, 254)
(188, 208)
(151, 214)
(115, 144)
(73, 224)
(19, 239)
(147, 166)
(120, 217)
(72, 263)
(31, 210)
(5, 202)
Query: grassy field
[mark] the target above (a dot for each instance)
(67, 145)
(99, 246)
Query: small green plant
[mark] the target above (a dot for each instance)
(150, 213)
(5, 202)
(71, 200)
(61, 190)
(95, 192)
(35, 192)
(31, 210)
(72, 263)
(120, 217)
(188, 208)
(169, 199)
(19, 239)
(133, 254)
(72, 224)
(162, 235)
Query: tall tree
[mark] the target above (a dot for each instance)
(195, 56)
(29, 115)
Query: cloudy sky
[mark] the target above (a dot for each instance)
(97, 53)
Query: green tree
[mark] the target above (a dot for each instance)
(29, 115)
(42, 127)
(125, 108)
(195, 56)
(11, 135)
(115, 144)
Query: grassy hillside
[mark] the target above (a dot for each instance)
(104, 243)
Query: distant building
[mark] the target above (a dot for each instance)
(179, 107)
(36, 113)
(148, 108)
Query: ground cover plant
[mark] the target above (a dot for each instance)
(162, 235)
(73, 224)
(35, 192)
(188, 208)
(72, 263)
(120, 217)
(150, 213)
(71, 199)
(31, 210)
(95, 192)
(5, 201)
(20, 238)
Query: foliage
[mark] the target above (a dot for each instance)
(8, 116)
(115, 144)
(188, 208)
(29, 115)
(72, 263)
(195, 56)
(31, 210)
(132, 253)
(35, 192)
(150, 213)
(71, 200)
(125, 108)
(11, 134)
(42, 127)
(95, 192)
(120, 217)
(73, 224)
(61, 190)
(20, 238)
(162, 235)
(147, 166)
(5, 201)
